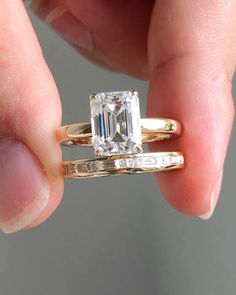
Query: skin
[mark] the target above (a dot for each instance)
(186, 49)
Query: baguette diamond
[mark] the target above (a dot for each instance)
(115, 120)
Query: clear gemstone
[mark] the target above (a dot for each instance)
(115, 119)
(147, 162)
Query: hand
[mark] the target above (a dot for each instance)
(185, 48)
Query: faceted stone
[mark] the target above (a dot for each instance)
(115, 120)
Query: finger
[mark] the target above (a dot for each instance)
(192, 60)
(112, 34)
(30, 181)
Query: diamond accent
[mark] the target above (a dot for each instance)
(115, 120)
(127, 164)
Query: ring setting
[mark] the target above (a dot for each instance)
(117, 133)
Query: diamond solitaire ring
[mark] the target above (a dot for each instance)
(117, 133)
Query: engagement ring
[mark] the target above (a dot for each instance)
(117, 133)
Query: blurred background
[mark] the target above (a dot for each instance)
(113, 236)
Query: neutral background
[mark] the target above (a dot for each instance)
(116, 236)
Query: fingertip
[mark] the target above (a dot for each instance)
(54, 202)
(24, 187)
(183, 195)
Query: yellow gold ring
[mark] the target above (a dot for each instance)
(117, 133)
(121, 165)
(151, 130)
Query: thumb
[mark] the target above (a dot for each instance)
(192, 50)
(30, 181)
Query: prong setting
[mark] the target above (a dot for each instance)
(92, 97)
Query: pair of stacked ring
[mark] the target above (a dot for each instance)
(117, 133)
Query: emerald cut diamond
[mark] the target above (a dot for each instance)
(115, 120)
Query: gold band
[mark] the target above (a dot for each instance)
(123, 164)
(152, 130)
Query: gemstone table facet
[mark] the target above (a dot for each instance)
(115, 120)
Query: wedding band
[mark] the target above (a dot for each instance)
(117, 133)
(121, 165)
(151, 130)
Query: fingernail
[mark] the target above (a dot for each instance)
(214, 198)
(24, 189)
(64, 23)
